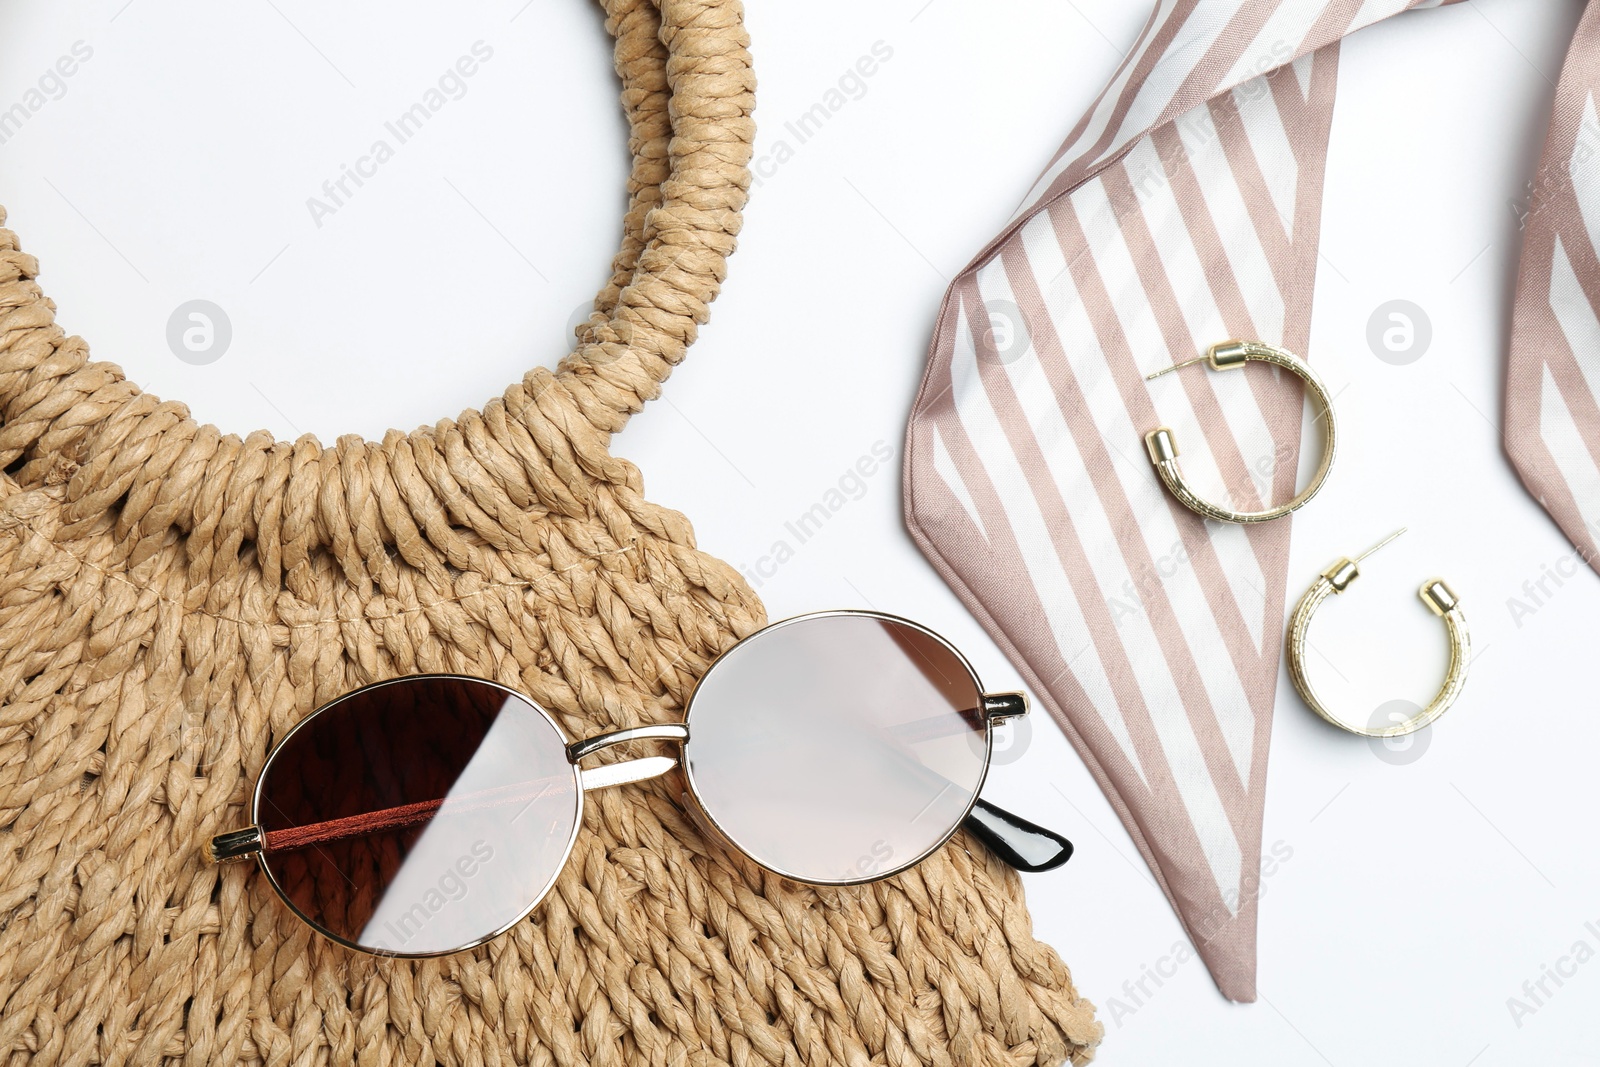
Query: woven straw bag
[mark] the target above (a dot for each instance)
(173, 598)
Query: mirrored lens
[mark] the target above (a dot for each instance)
(837, 748)
(419, 816)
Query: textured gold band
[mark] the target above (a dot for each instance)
(1440, 600)
(1163, 447)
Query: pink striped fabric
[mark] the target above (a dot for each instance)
(1552, 427)
(1183, 210)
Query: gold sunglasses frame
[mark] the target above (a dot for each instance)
(249, 842)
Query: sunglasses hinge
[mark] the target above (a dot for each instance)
(236, 845)
(1001, 707)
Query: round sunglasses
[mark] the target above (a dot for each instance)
(428, 814)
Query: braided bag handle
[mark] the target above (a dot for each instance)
(173, 599)
(688, 91)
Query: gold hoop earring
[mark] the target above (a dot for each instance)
(1434, 593)
(1163, 448)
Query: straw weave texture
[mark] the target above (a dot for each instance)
(173, 598)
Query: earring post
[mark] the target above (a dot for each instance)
(1175, 366)
(1380, 544)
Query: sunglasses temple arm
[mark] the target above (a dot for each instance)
(1023, 845)
(1020, 843)
(240, 844)
(307, 835)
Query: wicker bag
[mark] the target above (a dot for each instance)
(173, 598)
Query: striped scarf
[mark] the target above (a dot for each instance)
(1183, 210)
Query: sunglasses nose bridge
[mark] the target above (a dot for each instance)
(625, 771)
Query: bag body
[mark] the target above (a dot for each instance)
(173, 599)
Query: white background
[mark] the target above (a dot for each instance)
(1424, 886)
